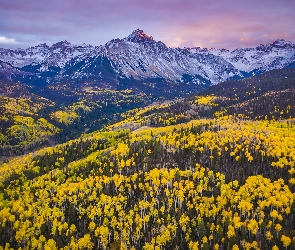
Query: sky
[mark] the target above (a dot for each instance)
(219, 24)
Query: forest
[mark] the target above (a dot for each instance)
(215, 170)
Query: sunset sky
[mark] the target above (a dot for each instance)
(184, 23)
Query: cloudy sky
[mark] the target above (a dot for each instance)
(178, 23)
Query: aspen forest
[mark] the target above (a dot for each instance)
(213, 170)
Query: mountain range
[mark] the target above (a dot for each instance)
(139, 58)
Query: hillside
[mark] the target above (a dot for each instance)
(205, 172)
(29, 121)
(266, 96)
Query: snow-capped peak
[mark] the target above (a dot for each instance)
(61, 44)
(138, 35)
(281, 43)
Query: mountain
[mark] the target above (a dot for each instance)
(139, 56)
(39, 65)
(137, 59)
(56, 55)
(279, 54)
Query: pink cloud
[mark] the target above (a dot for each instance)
(229, 23)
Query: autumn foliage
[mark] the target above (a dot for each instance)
(204, 184)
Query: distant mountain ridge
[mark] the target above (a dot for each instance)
(56, 55)
(279, 54)
(140, 57)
